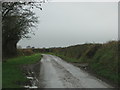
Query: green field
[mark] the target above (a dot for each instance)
(12, 75)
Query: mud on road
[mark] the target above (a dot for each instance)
(32, 73)
(56, 73)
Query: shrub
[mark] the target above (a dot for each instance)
(28, 52)
(25, 52)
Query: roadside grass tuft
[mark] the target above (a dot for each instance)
(68, 59)
(12, 75)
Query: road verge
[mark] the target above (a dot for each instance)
(13, 73)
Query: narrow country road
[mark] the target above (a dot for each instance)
(56, 73)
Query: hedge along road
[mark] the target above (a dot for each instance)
(56, 73)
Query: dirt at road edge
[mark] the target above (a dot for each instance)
(32, 73)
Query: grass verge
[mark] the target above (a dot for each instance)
(104, 69)
(12, 75)
(68, 59)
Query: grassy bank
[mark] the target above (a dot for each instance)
(102, 59)
(12, 75)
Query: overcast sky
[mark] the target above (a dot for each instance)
(64, 24)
